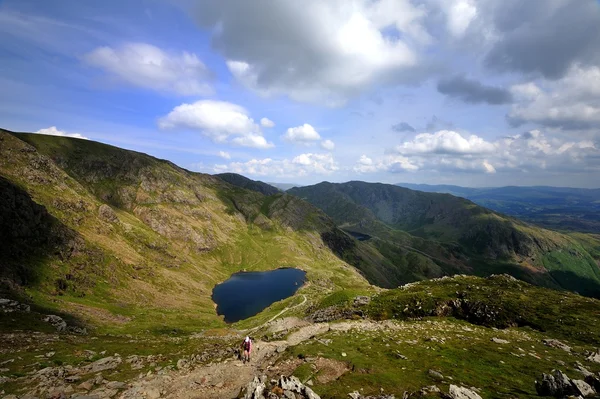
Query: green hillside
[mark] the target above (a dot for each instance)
(445, 228)
(111, 236)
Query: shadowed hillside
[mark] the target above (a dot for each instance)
(479, 239)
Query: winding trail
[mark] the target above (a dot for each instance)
(226, 378)
(250, 330)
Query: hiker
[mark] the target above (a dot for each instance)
(247, 347)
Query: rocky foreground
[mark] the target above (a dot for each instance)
(454, 338)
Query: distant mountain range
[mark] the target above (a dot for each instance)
(560, 208)
(430, 234)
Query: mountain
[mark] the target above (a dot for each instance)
(110, 236)
(562, 208)
(285, 186)
(457, 235)
(244, 182)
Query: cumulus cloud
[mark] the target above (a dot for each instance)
(403, 127)
(316, 51)
(388, 163)
(445, 152)
(147, 66)
(53, 131)
(327, 145)
(224, 155)
(266, 122)
(299, 166)
(472, 91)
(302, 134)
(572, 102)
(445, 142)
(218, 120)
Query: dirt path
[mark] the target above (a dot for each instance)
(227, 378)
(251, 330)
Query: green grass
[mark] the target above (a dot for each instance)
(495, 302)
(463, 353)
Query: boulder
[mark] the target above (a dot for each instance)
(56, 321)
(499, 341)
(106, 213)
(556, 384)
(255, 389)
(583, 388)
(457, 392)
(554, 343)
(107, 363)
(594, 356)
(594, 381)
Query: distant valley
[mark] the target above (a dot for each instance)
(559, 208)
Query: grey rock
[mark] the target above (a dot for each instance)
(116, 385)
(290, 384)
(106, 213)
(435, 374)
(556, 384)
(255, 389)
(87, 385)
(361, 300)
(583, 388)
(457, 392)
(594, 356)
(310, 394)
(594, 381)
(499, 341)
(554, 343)
(289, 395)
(56, 321)
(107, 363)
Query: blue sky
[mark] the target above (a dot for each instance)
(475, 93)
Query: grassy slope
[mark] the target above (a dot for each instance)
(456, 340)
(177, 235)
(465, 236)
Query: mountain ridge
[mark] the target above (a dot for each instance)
(489, 242)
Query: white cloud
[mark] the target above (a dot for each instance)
(53, 131)
(388, 163)
(253, 141)
(572, 102)
(460, 14)
(304, 134)
(317, 51)
(266, 122)
(299, 166)
(147, 66)
(445, 142)
(224, 155)
(327, 145)
(218, 120)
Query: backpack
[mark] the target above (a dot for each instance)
(247, 345)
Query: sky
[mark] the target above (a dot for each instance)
(467, 92)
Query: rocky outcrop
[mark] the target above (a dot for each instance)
(9, 306)
(457, 392)
(285, 387)
(554, 343)
(559, 385)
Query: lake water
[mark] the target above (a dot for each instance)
(247, 293)
(358, 236)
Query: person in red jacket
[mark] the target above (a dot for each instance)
(247, 348)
